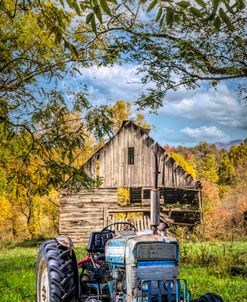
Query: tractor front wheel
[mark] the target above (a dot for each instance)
(209, 298)
(56, 273)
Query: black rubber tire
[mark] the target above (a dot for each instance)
(62, 272)
(209, 298)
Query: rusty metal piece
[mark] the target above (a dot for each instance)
(66, 242)
(163, 228)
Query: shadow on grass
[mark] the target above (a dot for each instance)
(25, 243)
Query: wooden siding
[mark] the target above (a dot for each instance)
(116, 172)
(84, 212)
(89, 211)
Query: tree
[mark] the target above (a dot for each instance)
(176, 43)
(232, 162)
(121, 111)
(226, 171)
(210, 201)
(208, 169)
(29, 50)
(238, 154)
(226, 217)
(39, 48)
(34, 167)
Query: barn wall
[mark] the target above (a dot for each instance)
(89, 211)
(116, 172)
(83, 213)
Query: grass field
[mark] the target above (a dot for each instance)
(219, 268)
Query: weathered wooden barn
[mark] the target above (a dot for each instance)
(124, 167)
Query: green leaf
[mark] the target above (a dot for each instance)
(77, 70)
(229, 8)
(93, 24)
(71, 47)
(176, 18)
(195, 12)
(183, 4)
(240, 4)
(77, 8)
(162, 20)
(225, 18)
(152, 5)
(159, 14)
(95, 2)
(169, 16)
(82, 6)
(89, 17)
(105, 7)
(217, 23)
(128, 8)
(70, 3)
(215, 5)
(62, 3)
(201, 3)
(98, 13)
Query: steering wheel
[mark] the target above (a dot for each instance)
(106, 230)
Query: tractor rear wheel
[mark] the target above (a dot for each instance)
(209, 298)
(56, 273)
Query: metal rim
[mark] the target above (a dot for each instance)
(43, 286)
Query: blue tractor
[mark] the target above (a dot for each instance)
(122, 265)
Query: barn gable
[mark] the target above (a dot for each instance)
(126, 161)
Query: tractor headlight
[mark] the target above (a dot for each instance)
(169, 283)
(144, 286)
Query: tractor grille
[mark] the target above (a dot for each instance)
(156, 251)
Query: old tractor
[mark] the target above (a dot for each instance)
(122, 265)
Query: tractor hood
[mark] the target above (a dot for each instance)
(124, 250)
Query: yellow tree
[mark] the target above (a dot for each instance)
(121, 111)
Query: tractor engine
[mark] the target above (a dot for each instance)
(142, 266)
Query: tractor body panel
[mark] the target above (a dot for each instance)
(135, 259)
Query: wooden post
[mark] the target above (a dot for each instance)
(200, 204)
(155, 198)
(105, 214)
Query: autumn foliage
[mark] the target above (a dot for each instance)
(33, 172)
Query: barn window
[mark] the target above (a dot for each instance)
(135, 195)
(131, 155)
(146, 194)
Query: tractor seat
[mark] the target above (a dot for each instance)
(96, 244)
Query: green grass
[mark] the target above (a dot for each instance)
(17, 271)
(216, 267)
(207, 268)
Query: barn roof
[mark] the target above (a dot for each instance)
(125, 124)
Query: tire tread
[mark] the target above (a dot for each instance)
(60, 271)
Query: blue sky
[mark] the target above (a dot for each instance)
(187, 117)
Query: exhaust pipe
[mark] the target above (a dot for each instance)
(155, 194)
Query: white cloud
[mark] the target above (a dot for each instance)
(204, 133)
(218, 105)
(115, 82)
(168, 130)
